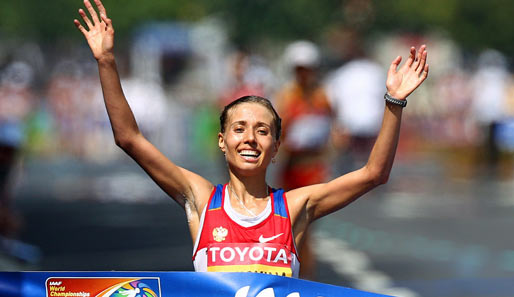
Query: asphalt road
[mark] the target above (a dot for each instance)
(425, 233)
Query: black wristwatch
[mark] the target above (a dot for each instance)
(391, 99)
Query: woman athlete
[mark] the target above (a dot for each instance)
(245, 225)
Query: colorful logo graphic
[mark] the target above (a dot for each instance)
(135, 289)
(103, 287)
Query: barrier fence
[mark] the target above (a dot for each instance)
(164, 284)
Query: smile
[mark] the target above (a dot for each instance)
(249, 154)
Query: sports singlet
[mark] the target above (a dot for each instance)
(228, 243)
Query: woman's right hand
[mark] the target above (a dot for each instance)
(99, 33)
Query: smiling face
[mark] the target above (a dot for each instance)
(248, 140)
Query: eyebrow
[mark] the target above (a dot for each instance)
(259, 124)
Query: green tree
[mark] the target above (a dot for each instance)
(476, 24)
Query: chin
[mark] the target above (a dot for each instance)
(249, 169)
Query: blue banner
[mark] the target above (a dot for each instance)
(163, 284)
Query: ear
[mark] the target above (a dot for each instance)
(221, 142)
(276, 147)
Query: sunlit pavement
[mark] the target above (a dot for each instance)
(423, 234)
(427, 232)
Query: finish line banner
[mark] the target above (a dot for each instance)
(164, 284)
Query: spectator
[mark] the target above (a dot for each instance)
(490, 83)
(356, 93)
(15, 104)
(241, 82)
(306, 118)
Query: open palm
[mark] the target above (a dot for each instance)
(401, 82)
(99, 33)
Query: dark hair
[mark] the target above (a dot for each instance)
(277, 121)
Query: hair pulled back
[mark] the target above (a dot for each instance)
(277, 122)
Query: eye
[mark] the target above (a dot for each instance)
(263, 131)
(239, 129)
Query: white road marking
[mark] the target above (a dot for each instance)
(356, 266)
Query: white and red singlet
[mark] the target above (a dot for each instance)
(230, 242)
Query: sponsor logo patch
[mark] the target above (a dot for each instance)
(263, 239)
(270, 258)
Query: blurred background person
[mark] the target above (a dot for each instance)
(489, 97)
(240, 80)
(16, 100)
(69, 86)
(356, 91)
(306, 120)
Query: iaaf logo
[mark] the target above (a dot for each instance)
(268, 292)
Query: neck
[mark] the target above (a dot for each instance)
(249, 187)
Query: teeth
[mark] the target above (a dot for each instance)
(249, 153)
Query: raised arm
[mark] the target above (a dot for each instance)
(100, 38)
(182, 185)
(312, 202)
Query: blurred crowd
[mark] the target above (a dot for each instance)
(177, 77)
(54, 108)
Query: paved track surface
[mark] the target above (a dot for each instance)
(425, 233)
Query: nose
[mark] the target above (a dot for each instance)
(249, 137)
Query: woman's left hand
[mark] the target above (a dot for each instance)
(401, 82)
(99, 32)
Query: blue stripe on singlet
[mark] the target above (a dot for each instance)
(279, 204)
(216, 198)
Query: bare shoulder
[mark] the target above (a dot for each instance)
(201, 189)
(298, 199)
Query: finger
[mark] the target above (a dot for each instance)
(86, 19)
(80, 27)
(411, 56)
(394, 65)
(107, 21)
(101, 8)
(424, 74)
(92, 12)
(104, 19)
(415, 65)
(422, 62)
(418, 66)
